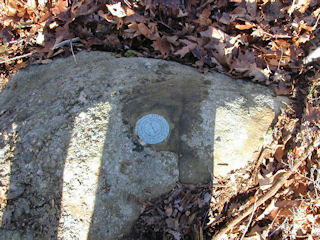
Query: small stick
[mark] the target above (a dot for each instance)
(279, 63)
(74, 57)
(251, 217)
(316, 24)
(273, 190)
(264, 236)
(76, 39)
(204, 5)
(17, 57)
(255, 171)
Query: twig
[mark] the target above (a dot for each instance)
(280, 60)
(166, 25)
(273, 190)
(316, 23)
(264, 236)
(74, 57)
(251, 217)
(76, 39)
(279, 227)
(258, 162)
(204, 5)
(17, 57)
(292, 8)
(128, 3)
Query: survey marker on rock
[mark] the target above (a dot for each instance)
(82, 144)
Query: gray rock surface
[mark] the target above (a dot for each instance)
(69, 154)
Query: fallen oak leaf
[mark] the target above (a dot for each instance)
(275, 60)
(145, 31)
(62, 33)
(186, 49)
(268, 210)
(6, 36)
(16, 8)
(61, 10)
(162, 45)
(257, 74)
(256, 232)
(215, 33)
(282, 89)
(225, 19)
(278, 154)
(312, 113)
(132, 31)
(154, 29)
(270, 179)
(204, 17)
(129, 11)
(106, 16)
(133, 18)
(251, 7)
(82, 8)
(133, 27)
(285, 207)
(173, 40)
(238, 12)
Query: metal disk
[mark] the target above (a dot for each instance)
(152, 128)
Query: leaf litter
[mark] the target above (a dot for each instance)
(270, 42)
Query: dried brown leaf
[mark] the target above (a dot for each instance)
(285, 207)
(135, 18)
(245, 26)
(251, 7)
(255, 73)
(83, 7)
(312, 113)
(215, 33)
(282, 89)
(238, 12)
(279, 153)
(271, 207)
(267, 181)
(173, 40)
(225, 18)
(204, 18)
(186, 49)
(60, 8)
(145, 31)
(162, 45)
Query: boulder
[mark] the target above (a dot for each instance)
(69, 136)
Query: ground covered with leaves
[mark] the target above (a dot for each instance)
(271, 42)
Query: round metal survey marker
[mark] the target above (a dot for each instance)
(152, 128)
